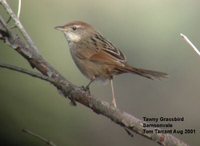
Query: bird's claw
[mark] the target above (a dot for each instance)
(86, 88)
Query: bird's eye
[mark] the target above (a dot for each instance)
(74, 27)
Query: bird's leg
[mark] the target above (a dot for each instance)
(113, 94)
(88, 85)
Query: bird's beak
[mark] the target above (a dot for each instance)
(60, 28)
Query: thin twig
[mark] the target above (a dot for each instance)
(19, 8)
(19, 25)
(48, 142)
(190, 43)
(25, 71)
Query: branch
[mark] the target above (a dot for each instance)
(48, 142)
(25, 71)
(190, 43)
(18, 23)
(74, 93)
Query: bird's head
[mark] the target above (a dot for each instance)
(76, 30)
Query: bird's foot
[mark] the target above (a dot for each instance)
(86, 88)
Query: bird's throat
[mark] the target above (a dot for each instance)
(72, 37)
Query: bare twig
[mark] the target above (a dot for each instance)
(48, 142)
(19, 8)
(25, 71)
(74, 93)
(190, 43)
(18, 24)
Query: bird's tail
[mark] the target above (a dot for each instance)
(150, 74)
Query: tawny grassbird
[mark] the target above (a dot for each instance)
(96, 57)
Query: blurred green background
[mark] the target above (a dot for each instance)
(146, 31)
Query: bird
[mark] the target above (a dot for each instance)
(97, 58)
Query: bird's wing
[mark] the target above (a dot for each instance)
(106, 52)
(104, 58)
